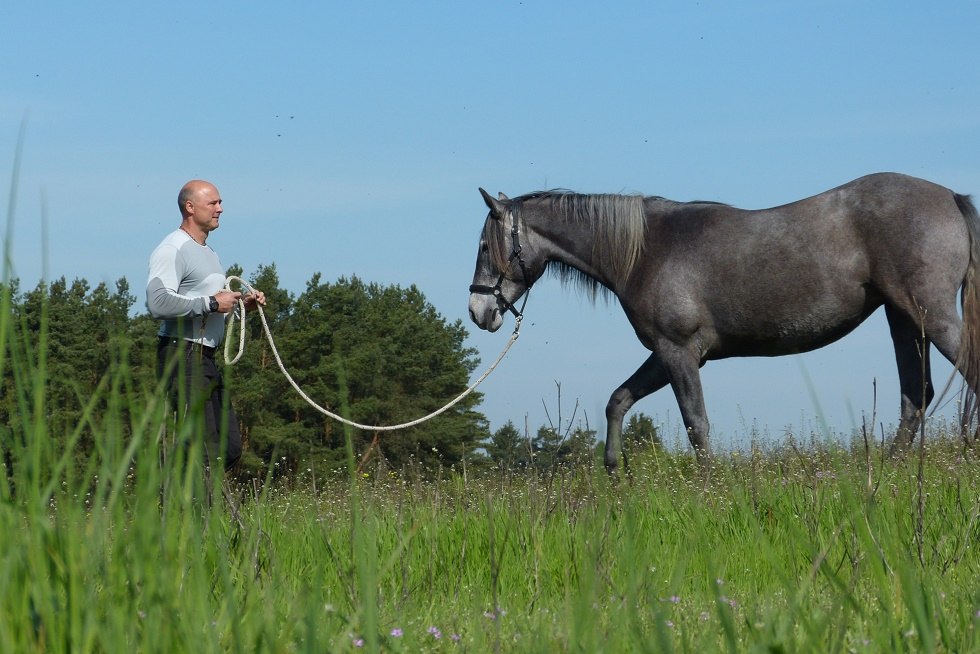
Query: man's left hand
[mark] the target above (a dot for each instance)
(254, 299)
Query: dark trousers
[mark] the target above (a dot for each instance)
(195, 384)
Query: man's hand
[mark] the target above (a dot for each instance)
(254, 299)
(227, 300)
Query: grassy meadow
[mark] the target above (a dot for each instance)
(820, 549)
(823, 548)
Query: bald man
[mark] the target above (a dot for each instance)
(185, 291)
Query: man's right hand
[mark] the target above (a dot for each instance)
(227, 300)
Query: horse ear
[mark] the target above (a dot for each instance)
(502, 197)
(497, 209)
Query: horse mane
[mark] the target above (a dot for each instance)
(617, 222)
(618, 225)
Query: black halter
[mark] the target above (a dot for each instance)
(495, 290)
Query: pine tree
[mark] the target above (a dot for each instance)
(377, 355)
(508, 449)
(640, 432)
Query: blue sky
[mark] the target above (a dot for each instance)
(351, 138)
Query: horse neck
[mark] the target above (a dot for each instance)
(569, 243)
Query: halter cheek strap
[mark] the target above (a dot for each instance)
(496, 290)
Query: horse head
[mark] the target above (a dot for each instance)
(502, 275)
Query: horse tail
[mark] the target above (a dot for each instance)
(968, 358)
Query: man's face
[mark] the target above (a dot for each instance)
(204, 208)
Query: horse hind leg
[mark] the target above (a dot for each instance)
(914, 375)
(947, 335)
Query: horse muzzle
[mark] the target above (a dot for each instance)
(485, 311)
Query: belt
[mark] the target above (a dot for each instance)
(204, 349)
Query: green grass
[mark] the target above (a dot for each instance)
(785, 550)
(778, 551)
(782, 550)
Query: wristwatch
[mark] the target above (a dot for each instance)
(212, 304)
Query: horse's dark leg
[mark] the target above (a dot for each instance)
(648, 378)
(912, 357)
(944, 331)
(682, 371)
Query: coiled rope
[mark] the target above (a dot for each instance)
(275, 352)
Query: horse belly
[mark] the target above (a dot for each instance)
(773, 330)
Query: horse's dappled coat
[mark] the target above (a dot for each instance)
(701, 280)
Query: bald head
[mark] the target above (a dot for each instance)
(200, 209)
(191, 191)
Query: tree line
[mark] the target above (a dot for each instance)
(376, 354)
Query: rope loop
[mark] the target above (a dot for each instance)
(239, 314)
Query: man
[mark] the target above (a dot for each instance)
(184, 290)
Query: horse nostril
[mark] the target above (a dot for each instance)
(472, 315)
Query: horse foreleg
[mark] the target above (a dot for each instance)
(648, 378)
(682, 371)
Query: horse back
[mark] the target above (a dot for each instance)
(796, 276)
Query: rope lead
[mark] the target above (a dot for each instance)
(326, 412)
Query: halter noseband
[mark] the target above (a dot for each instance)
(495, 290)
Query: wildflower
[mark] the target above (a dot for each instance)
(396, 632)
(358, 642)
(674, 599)
(455, 637)
(435, 632)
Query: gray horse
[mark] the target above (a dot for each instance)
(702, 280)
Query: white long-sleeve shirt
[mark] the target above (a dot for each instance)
(183, 275)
